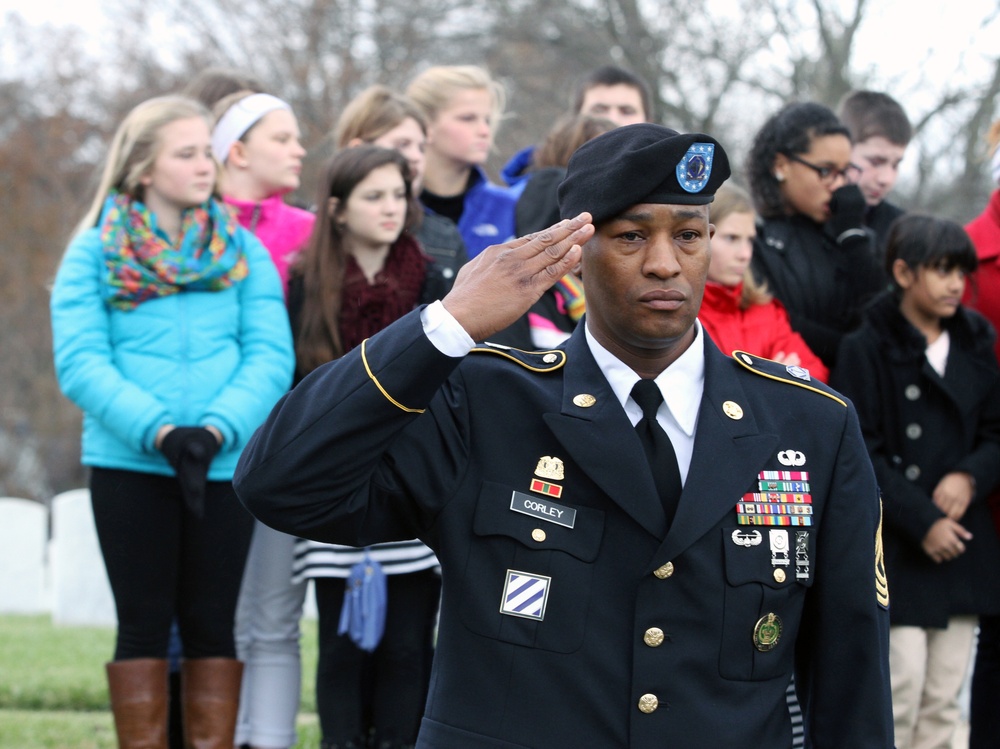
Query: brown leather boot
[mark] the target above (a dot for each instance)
(138, 689)
(210, 694)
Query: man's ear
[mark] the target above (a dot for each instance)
(355, 142)
(903, 274)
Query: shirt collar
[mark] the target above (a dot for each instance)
(682, 383)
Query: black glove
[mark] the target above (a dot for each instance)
(190, 451)
(847, 209)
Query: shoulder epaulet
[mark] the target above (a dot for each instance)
(536, 361)
(787, 373)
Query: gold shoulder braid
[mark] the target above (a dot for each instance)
(373, 378)
(881, 582)
(789, 374)
(535, 361)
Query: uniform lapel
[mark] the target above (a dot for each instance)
(728, 454)
(602, 440)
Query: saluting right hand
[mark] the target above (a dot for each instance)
(501, 283)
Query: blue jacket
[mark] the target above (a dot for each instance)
(488, 214)
(217, 358)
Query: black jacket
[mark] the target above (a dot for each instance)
(823, 285)
(920, 426)
(525, 469)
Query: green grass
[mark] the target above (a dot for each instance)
(53, 694)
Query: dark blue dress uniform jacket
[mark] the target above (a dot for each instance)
(339, 461)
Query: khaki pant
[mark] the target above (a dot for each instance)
(927, 668)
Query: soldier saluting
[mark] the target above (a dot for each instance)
(641, 538)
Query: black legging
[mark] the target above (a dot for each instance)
(984, 719)
(386, 689)
(163, 562)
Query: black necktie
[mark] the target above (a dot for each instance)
(659, 451)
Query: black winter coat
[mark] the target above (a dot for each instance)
(823, 285)
(920, 426)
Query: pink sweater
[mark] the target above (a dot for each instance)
(283, 229)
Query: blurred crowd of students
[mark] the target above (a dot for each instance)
(193, 295)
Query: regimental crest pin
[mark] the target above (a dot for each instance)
(695, 168)
(550, 468)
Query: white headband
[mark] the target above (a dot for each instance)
(239, 118)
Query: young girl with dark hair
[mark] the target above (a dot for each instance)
(922, 374)
(170, 334)
(361, 271)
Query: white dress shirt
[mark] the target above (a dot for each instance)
(682, 383)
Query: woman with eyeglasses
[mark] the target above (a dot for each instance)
(812, 248)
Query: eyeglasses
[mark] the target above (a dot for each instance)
(828, 174)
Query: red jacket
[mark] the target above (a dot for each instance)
(983, 295)
(761, 329)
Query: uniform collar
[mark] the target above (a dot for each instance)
(682, 383)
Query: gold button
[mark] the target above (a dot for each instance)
(653, 637)
(665, 571)
(584, 400)
(538, 534)
(779, 575)
(648, 703)
(549, 358)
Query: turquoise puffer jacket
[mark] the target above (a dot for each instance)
(202, 358)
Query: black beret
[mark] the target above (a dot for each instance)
(642, 163)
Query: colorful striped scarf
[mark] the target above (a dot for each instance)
(143, 265)
(573, 302)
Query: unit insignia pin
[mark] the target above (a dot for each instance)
(800, 372)
(584, 400)
(732, 410)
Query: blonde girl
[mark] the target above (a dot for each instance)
(169, 333)
(463, 105)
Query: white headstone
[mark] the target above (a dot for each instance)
(80, 590)
(23, 538)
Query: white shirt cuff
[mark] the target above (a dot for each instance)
(444, 331)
